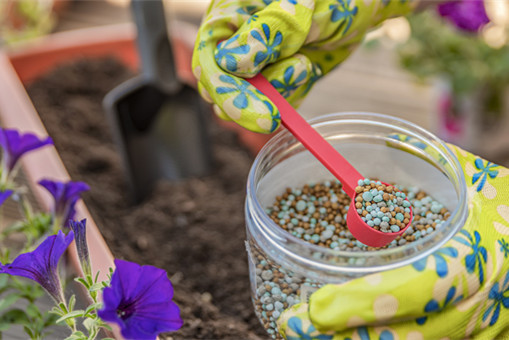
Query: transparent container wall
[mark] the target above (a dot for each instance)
(285, 270)
(379, 146)
(275, 287)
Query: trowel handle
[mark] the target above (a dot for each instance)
(154, 46)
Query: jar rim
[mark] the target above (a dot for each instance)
(273, 232)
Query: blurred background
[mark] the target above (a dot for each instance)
(417, 68)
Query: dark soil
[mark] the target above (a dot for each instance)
(193, 228)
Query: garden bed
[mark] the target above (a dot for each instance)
(193, 228)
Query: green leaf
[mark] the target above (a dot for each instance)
(29, 332)
(72, 302)
(93, 307)
(83, 282)
(17, 226)
(50, 319)
(28, 290)
(78, 335)
(8, 301)
(33, 311)
(96, 286)
(57, 311)
(4, 255)
(4, 279)
(63, 307)
(74, 314)
(16, 316)
(3, 327)
(89, 324)
(93, 334)
(107, 327)
(34, 228)
(110, 274)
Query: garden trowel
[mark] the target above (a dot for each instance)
(159, 123)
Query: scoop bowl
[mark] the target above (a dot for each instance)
(368, 235)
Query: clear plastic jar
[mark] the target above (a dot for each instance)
(284, 269)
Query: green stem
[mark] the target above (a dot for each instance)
(27, 209)
(3, 176)
(56, 224)
(72, 324)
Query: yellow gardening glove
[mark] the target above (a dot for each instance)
(460, 291)
(293, 43)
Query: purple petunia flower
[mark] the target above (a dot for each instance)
(16, 145)
(65, 195)
(139, 301)
(41, 264)
(80, 236)
(468, 15)
(4, 195)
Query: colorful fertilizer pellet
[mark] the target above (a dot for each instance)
(275, 294)
(381, 206)
(316, 213)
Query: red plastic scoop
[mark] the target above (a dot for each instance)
(332, 160)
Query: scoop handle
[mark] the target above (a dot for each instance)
(154, 46)
(309, 137)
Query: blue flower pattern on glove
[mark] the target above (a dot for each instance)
(341, 11)
(486, 170)
(295, 324)
(316, 73)
(434, 307)
(270, 53)
(268, 2)
(229, 53)
(408, 139)
(479, 255)
(504, 247)
(241, 101)
(500, 298)
(252, 18)
(441, 263)
(276, 117)
(290, 84)
(246, 10)
(364, 334)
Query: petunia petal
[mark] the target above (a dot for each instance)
(4, 195)
(41, 264)
(469, 15)
(163, 317)
(143, 294)
(16, 145)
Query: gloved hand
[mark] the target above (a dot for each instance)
(293, 43)
(460, 291)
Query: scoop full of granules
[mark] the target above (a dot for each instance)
(316, 213)
(382, 206)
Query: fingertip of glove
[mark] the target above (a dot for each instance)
(204, 93)
(233, 57)
(259, 125)
(220, 113)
